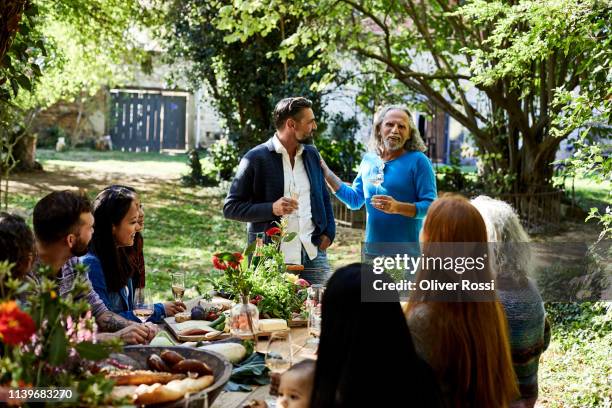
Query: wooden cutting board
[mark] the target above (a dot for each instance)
(176, 328)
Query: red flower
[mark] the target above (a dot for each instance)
(218, 263)
(237, 259)
(16, 326)
(303, 283)
(221, 261)
(273, 231)
(256, 300)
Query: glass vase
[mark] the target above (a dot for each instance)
(244, 318)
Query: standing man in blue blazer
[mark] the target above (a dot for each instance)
(283, 178)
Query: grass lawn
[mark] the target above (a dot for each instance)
(185, 226)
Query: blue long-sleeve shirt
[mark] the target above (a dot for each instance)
(121, 302)
(408, 178)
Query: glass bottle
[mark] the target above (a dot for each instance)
(244, 318)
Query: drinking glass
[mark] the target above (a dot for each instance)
(377, 176)
(315, 298)
(279, 356)
(294, 194)
(143, 307)
(178, 285)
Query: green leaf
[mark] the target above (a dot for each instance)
(250, 249)
(6, 62)
(58, 349)
(289, 237)
(92, 351)
(14, 87)
(24, 82)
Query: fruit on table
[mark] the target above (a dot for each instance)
(198, 313)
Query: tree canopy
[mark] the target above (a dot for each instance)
(498, 67)
(244, 79)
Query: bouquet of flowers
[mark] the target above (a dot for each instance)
(259, 274)
(47, 340)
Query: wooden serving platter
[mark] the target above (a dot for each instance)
(176, 328)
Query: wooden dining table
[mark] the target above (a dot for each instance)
(299, 336)
(300, 351)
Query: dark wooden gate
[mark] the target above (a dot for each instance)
(148, 121)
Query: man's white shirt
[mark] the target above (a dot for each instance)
(302, 223)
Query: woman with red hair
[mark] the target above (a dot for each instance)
(464, 341)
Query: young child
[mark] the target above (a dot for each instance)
(294, 389)
(296, 385)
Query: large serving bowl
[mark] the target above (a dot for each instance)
(222, 370)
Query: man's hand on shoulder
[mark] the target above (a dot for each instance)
(284, 206)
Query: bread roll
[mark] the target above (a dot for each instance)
(182, 317)
(136, 377)
(158, 393)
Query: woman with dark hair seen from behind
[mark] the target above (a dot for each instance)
(360, 344)
(512, 265)
(16, 244)
(116, 211)
(465, 342)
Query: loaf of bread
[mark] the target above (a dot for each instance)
(136, 377)
(182, 317)
(158, 393)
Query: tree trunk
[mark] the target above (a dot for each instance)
(10, 15)
(25, 153)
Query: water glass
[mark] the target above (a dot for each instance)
(315, 298)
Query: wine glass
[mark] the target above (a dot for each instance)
(279, 356)
(377, 176)
(143, 307)
(178, 285)
(294, 194)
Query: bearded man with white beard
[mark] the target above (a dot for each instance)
(395, 181)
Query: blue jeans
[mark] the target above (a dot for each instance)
(316, 271)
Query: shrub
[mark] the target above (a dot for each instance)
(224, 155)
(339, 148)
(48, 137)
(196, 176)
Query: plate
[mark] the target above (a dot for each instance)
(221, 367)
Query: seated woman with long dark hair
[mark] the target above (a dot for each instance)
(116, 210)
(366, 356)
(465, 342)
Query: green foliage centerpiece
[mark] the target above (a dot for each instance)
(258, 277)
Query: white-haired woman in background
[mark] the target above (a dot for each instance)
(512, 263)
